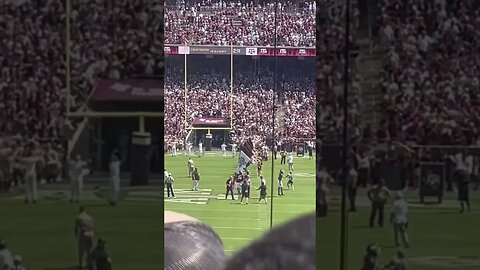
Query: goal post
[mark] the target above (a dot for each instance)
(186, 91)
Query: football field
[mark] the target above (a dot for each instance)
(440, 237)
(238, 224)
(43, 233)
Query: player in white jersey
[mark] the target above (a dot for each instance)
(189, 148)
(262, 180)
(30, 162)
(174, 149)
(234, 149)
(191, 166)
(6, 257)
(115, 178)
(200, 148)
(165, 175)
(224, 149)
(290, 162)
(52, 169)
(76, 177)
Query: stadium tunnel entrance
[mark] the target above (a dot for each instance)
(101, 136)
(218, 136)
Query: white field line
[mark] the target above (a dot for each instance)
(236, 238)
(227, 218)
(237, 228)
(224, 210)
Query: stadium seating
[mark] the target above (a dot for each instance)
(432, 71)
(211, 23)
(115, 39)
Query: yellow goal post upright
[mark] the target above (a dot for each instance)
(84, 113)
(188, 127)
(141, 138)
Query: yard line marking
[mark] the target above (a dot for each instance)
(236, 238)
(259, 223)
(238, 228)
(223, 210)
(227, 218)
(312, 205)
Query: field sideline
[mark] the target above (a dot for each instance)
(43, 234)
(440, 237)
(238, 225)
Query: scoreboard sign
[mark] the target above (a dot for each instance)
(300, 150)
(432, 176)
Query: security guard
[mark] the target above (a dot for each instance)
(283, 156)
(229, 187)
(378, 195)
(263, 192)
(280, 183)
(195, 179)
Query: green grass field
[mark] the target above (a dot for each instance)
(440, 237)
(237, 224)
(43, 233)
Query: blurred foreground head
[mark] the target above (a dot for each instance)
(291, 246)
(190, 244)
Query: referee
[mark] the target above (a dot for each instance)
(169, 181)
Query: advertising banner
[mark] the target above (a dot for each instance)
(300, 150)
(239, 50)
(432, 175)
(145, 90)
(210, 122)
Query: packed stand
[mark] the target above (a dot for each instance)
(32, 73)
(330, 69)
(300, 102)
(433, 69)
(115, 39)
(209, 96)
(174, 99)
(109, 38)
(211, 23)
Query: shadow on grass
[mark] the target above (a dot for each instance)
(390, 247)
(62, 268)
(359, 227)
(96, 205)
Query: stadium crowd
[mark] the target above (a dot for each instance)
(330, 68)
(209, 95)
(433, 70)
(114, 39)
(300, 103)
(211, 23)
